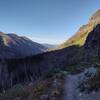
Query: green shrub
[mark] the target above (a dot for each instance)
(56, 72)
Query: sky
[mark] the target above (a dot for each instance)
(45, 21)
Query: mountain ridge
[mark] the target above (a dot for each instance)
(80, 36)
(13, 46)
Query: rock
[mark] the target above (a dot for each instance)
(80, 94)
(17, 98)
(88, 73)
(44, 97)
(92, 44)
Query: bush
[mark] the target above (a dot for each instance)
(56, 72)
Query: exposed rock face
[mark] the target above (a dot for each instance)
(93, 41)
(95, 17)
(12, 46)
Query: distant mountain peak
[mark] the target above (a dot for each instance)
(1, 33)
(95, 16)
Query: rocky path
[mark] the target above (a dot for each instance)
(70, 88)
(72, 92)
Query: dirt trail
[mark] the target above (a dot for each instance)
(72, 92)
(70, 88)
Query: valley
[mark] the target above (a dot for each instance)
(29, 71)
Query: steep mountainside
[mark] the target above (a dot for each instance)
(80, 36)
(12, 46)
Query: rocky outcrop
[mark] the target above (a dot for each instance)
(92, 43)
(95, 17)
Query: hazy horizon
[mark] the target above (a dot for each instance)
(45, 21)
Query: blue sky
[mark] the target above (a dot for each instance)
(45, 21)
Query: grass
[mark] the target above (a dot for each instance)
(48, 88)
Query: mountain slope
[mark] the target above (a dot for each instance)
(80, 36)
(51, 46)
(12, 46)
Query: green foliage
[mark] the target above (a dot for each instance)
(61, 73)
(16, 91)
(52, 72)
(57, 73)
